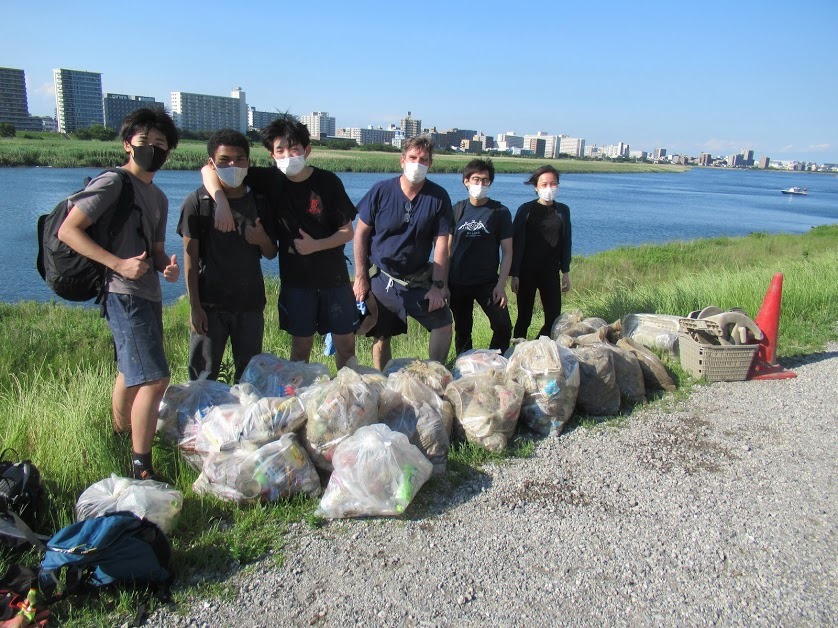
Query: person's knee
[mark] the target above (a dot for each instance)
(344, 344)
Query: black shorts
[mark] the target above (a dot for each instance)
(303, 311)
(396, 303)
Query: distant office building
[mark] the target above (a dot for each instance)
(487, 142)
(764, 163)
(638, 155)
(615, 151)
(117, 106)
(202, 112)
(452, 138)
(507, 141)
(398, 137)
(411, 126)
(594, 152)
(260, 119)
(747, 157)
(78, 99)
(660, 153)
(471, 146)
(320, 124)
(573, 146)
(14, 107)
(368, 135)
(534, 145)
(551, 143)
(705, 159)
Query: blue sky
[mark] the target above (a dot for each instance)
(690, 77)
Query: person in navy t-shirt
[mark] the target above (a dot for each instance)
(400, 221)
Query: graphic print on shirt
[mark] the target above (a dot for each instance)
(472, 227)
(315, 205)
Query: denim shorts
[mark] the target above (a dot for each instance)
(303, 311)
(137, 328)
(396, 303)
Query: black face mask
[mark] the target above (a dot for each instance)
(150, 158)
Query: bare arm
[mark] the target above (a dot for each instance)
(223, 216)
(72, 233)
(361, 251)
(437, 296)
(499, 293)
(306, 245)
(197, 317)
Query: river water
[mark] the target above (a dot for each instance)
(607, 210)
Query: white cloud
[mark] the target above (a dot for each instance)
(45, 89)
(716, 145)
(819, 148)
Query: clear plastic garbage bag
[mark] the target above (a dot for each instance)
(155, 501)
(478, 361)
(377, 472)
(275, 377)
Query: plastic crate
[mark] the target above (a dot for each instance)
(716, 363)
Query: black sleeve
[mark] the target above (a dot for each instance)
(191, 223)
(566, 240)
(519, 239)
(339, 201)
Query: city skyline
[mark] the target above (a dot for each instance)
(715, 77)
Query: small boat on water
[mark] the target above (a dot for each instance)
(797, 191)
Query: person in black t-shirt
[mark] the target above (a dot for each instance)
(312, 222)
(483, 228)
(541, 251)
(223, 271)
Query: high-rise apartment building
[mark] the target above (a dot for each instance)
(660, 153)
(368, 135)
(203, 112)
(117, 106)
(320, 124)
(14, 107)
(705, 159)
(764, 162)
(260, 119)
(78, 99)
(411, 126)
(573, 146)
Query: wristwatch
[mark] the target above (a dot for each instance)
(439, 283)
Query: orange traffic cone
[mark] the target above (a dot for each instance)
(768, 320)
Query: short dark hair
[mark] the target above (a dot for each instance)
(533, 180)
(422, 142)
(288, 128)
(227, 137)
(479, 165)
(143, 120)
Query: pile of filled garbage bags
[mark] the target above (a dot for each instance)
(381, 435)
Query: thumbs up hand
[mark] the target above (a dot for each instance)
(133, 267)
(172, 270)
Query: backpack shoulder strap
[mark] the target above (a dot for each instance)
(124, 205)
(459, 210)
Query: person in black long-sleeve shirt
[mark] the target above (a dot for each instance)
(541, 248)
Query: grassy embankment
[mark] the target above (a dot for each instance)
(56, 372)
(57, 151)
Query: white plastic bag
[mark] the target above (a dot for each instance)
(409, 406)
(335, 410)
(487, 406)
(271, 472)
(184, 406)
(377, 472)
(155, 501)
(478, 361)
(430, 372)
(275, 377)
(549, 374)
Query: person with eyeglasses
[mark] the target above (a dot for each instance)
(480, 246)
(541, 248)
(400, 221)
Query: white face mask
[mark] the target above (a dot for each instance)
(231, 176)
(548, 195)
(478, 192)
(291, 166)
(415, 172)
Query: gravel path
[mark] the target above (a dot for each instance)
(719, 511)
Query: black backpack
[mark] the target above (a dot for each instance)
(69, 274)
(20, 500)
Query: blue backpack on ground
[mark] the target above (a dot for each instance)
(117, 548)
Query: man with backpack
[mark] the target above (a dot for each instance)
(223, 270)
(133, 305)
(482, 227)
